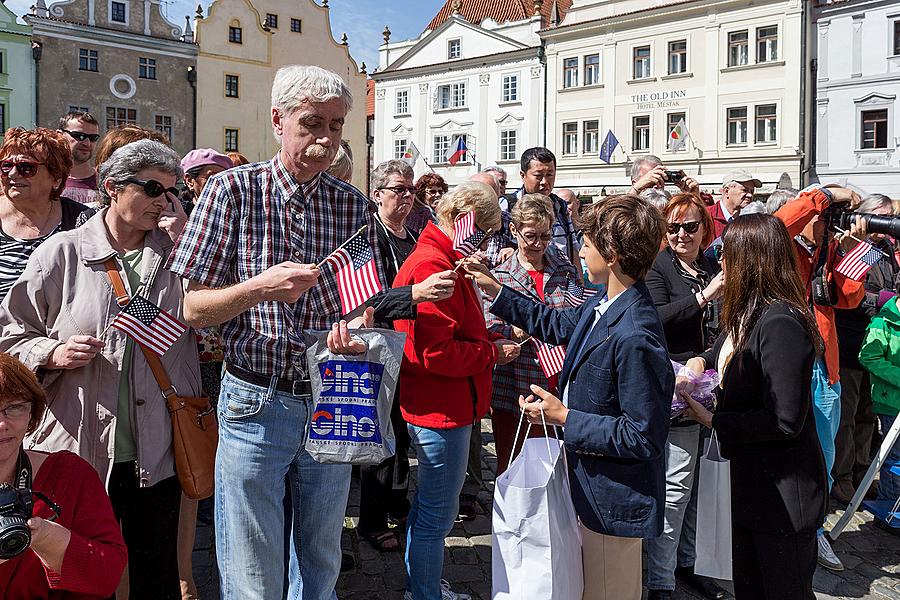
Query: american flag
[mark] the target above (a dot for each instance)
(576, 295)
(858, 261)
(467, 236)
(550, 358)
(357, 275)
(149, 325)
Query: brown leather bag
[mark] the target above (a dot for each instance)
(195, 430)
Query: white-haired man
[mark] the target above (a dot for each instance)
(249, 254)
(737, 192)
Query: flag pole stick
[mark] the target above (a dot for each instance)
(487, 234)
(853, 237)
(347, 241)
(522, 343)
(427, 164)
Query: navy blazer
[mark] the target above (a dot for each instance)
(620, 393)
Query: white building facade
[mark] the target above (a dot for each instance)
(857, 84)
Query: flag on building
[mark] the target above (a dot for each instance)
(411, 155)
(551, 358)
(858, 261)
(608, 147)
(467, 236)
(576, 294)
(458, 150)
(678, 136)
(149, 325)
(357, 275)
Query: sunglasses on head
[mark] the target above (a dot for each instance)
(80, 136)
(153, 188)
(688, 226)
(24, 168)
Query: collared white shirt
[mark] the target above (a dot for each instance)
(599, 311)
(725, 212)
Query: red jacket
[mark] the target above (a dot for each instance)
(449, 355)
(718, 218)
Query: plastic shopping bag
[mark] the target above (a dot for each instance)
(703, 390)
(714, 514)
(352, 397)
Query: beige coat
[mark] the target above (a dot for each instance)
(65, 291)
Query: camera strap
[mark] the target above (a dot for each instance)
(22, 477)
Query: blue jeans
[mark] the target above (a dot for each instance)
(889, 484)
(262, 433)
(442, 455)
(826, 399)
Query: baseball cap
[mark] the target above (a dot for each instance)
(204, 156)
(741, 176)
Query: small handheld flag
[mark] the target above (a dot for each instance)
(551, 358)
(411, 155)
(576, 295)
(357, 275)
(458, 150)
(608, 147)
(858, 261)
(467, 236)
(678, 136)
(149, 325)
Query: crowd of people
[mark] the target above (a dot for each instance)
(636, 286)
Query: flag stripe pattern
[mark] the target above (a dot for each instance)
(458, 150)
(551, 358)
(858, 261)
(149, 325)
(576, 295)
(467, 236)
(357, 275)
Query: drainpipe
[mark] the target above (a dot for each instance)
(805, 164)
(542, 57)
(36, 51)
(192, 80)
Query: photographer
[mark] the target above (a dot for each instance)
(648, 172)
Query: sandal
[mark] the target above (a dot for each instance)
(382, 540)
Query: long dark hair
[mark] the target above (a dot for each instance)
(761, 270)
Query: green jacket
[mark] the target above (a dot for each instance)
(880, 355)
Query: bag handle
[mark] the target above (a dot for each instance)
(713, 452)
(528, 431)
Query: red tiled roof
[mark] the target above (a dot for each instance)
(370, 98)
(501, 11)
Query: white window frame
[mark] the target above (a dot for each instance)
(894, 36)
(594, 68)
(746, 141)
(400, 147)
(148, 68)
(670, 126)
(162, 127)
(504, 151)
(586, 147)
(570, 82)
(509, 82)
(450, 42)
(570, 137)
(648, 59)
(451, 87)
(767, 58)
(871, 102)
(756, 118)
(237, 139)
(747, 60)
(684, 61)
(109, 18)
(648, 129)
(439, 157)
(397, 104)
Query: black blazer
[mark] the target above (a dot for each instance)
(766, 427)
(676, 303)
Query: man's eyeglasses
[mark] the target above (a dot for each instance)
(80, 136)
(533, 238)
(688, 226)
(14, 412)
(152, 188)
(400, 189)
(24, 168)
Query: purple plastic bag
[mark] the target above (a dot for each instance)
(703, 392)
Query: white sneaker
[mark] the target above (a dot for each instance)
(446, 593)
(827, 558)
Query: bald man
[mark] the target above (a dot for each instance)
(488, 179)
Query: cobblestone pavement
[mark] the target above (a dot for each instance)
(871, 556)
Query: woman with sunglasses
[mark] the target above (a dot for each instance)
(685, 286)
(103, 401)
(430, 188)
(34, 165)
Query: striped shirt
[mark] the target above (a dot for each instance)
(14, 255)
(254, 217)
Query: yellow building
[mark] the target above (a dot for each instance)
(242, 45)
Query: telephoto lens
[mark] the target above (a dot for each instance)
(15, 535)
(883, 224)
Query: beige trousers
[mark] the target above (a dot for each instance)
(612, 566)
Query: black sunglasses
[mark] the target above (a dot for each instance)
(152, 188)
(688, 226)
(80, 136)
(25, 168)
(400, 189)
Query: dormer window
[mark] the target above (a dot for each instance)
(235, 33)
(118, 12)
(272, 21)
(454, 49)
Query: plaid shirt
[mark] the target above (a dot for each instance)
(254, 217)
(513, 379)
(565, 237)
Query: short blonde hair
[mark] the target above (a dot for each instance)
(532, 208)
(467, 197)
(342, 165)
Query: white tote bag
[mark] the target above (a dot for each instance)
(714, 514)
(536, 543)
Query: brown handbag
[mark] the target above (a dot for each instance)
(195, 431)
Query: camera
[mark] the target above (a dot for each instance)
(839, 217)
(15, 510)
(674, 176)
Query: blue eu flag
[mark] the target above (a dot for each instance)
(608, 147)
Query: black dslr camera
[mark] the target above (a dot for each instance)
(839, 218)
(16, 504)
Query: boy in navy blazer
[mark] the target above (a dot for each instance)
(616, 390)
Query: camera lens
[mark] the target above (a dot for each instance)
(15, 536)
(883, 224)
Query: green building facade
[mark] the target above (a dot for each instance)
(16, 72)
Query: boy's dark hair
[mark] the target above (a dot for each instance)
(540, 154)
(627, 226)
(77, 115)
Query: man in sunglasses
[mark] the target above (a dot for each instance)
(82, 131)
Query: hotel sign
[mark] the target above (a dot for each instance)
(663, 99)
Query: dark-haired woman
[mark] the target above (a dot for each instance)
(430, 188)
(764, 419)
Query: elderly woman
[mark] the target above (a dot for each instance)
(539, 273)
(103, 401)
(448, 348)
(429, 189)
(34, 165)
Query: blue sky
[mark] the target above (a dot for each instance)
(362, 20)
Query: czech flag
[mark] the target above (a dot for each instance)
(458, 151)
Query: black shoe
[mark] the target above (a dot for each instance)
(659, 594)
(467, 507)
(707, 586)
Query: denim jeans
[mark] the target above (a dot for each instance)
(674, 548)
(442, 455)
(826, 399)
(262, 433)
(889, 484)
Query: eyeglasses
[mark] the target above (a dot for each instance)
(24, 168)
(688, 226)
(152, 188)
(400, 189)
(81, 136)
(533, 238)
(434, 191)
(17, 411)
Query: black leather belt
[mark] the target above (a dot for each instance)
(297, 387)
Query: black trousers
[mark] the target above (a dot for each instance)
(149, 519)
(770, 566)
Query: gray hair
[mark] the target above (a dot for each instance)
(648, 160)
(131, 159)
(657, 197)
(382, 173)
(495, 169)
(874, 202)
(754, 208)
(342, 165)
(779, 198)
(296, 84)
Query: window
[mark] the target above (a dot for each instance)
(401, 102)
(232, 86)
(117, 12)
(640, 133)
(271, 21)
(454, 49)
(766, 124)
(452, 95)
(509, 144)
(874, 128)
(510, 92)
(672, 120)
(677, 57)
(766, 44)
(570, 138)
(570, 72)
(231, 140)
(2, 117)
(592, 69)
(400, 147)
(897, 37)
(163, 123)
(591, 137)
(73, 108)
(737, 49)
(87, 60)
(235, 36)
(642, 62)
(2, 62)
(737, 126)
(296, 26)
(147, 68)
(116, 116)
(441, 147)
